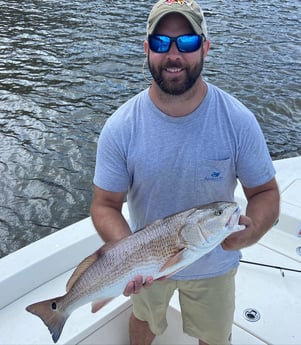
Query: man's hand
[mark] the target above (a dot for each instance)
(136, 285)
(244, 238)
(261, 213)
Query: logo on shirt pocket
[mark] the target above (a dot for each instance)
(214, 171)
(214, 175)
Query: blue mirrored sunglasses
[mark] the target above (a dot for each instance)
(185, 43)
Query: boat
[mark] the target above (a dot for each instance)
(268, 283)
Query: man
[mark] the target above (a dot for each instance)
(181, 143)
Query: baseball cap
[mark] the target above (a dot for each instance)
(188, 8)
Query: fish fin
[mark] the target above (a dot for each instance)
(170, 274)
(97, 305)
(110, 245)
(87, 262)
(173, 260)
(52, 317)
(82, 267)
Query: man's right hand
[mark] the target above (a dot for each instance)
(136, 285)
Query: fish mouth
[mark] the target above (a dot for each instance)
(233, 220)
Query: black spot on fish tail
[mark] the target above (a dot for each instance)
(50, 314)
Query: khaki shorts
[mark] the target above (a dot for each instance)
(207, 306)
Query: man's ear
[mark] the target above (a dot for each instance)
(146, 47)
(206, 47)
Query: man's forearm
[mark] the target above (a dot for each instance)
(107, 216)
(109, 223)
(263, 209)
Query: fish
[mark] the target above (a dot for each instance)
(160, 249)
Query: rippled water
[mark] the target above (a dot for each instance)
(66, 65)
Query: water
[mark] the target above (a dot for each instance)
(65, 66)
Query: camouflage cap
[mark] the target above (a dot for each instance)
(188, 8)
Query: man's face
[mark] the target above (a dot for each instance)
(175, 72)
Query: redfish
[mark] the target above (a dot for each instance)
(159, 250)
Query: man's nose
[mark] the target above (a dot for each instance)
(173, 49)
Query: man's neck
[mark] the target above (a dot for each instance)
(179, 105)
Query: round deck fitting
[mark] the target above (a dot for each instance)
(251, 315)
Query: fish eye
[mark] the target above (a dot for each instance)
(218, 212)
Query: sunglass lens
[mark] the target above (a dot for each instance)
(159, 44)
(189, 43)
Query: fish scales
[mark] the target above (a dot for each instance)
(148, 249)
(160, 249)
(143, 254)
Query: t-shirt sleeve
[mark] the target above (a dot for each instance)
(111, 169)
(254, 163)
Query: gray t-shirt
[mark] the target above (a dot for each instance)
(168, 164)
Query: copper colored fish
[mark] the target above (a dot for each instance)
(159, 250)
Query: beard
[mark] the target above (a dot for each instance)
(174, 86)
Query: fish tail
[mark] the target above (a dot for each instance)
(50, 314)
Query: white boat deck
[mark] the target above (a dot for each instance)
(42, 269)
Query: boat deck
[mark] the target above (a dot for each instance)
(272, 295)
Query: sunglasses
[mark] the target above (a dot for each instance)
(185, 43)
